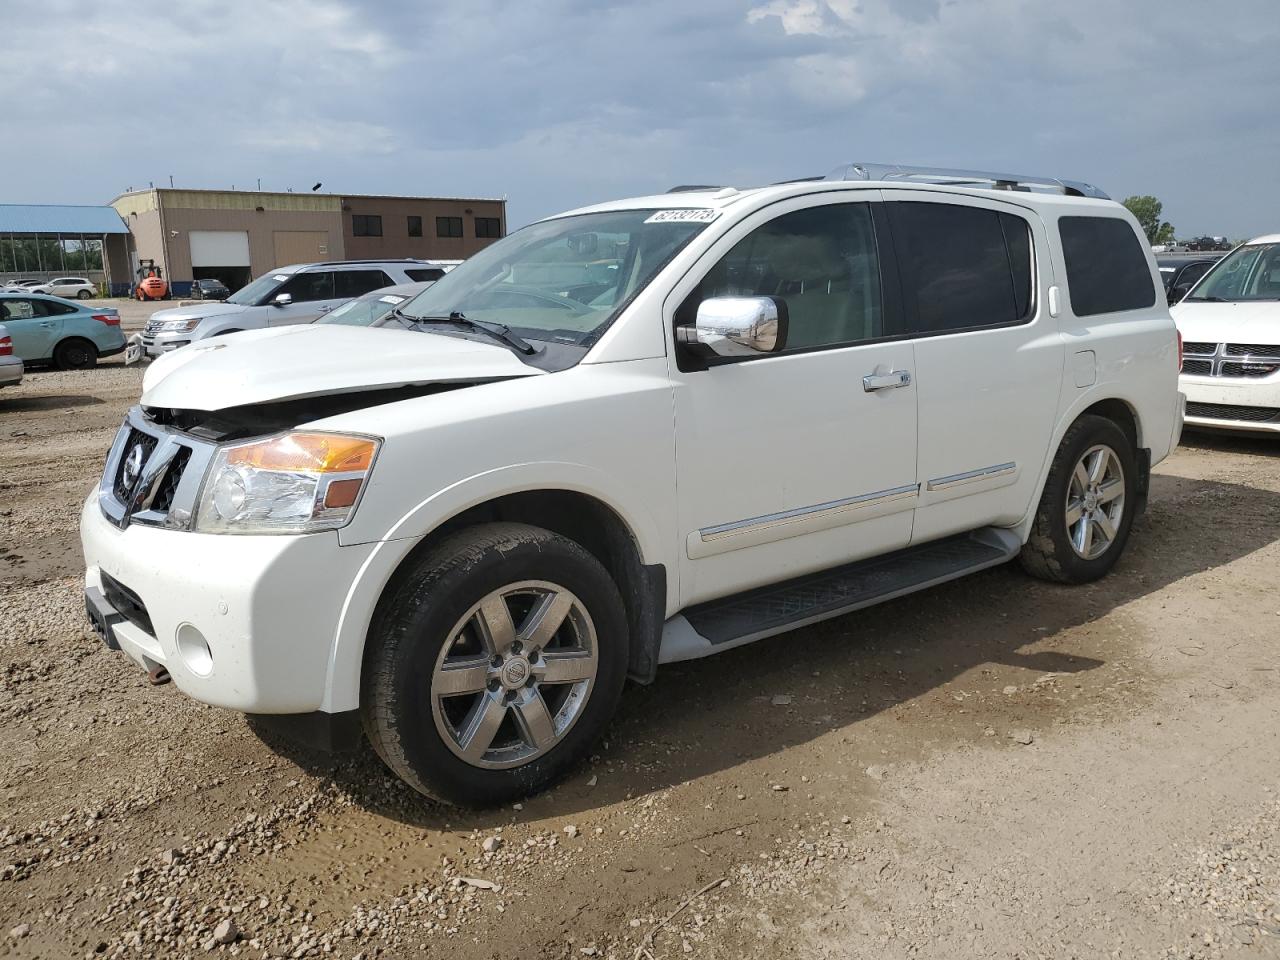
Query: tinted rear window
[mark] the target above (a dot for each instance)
(1106, 267)
(964, 267)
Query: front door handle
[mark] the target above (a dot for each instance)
(885, 381)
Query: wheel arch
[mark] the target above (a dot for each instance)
(585, 518)
(1118, 410)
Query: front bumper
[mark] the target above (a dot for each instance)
(1233, 404)
(155, 344)
(266, 608)
(11, 371)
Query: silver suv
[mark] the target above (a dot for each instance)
(295, 294)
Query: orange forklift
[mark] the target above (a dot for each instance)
(151, 284)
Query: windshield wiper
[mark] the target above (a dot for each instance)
(1208, 299)
(496, 331)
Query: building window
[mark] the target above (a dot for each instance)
(488, 227)
(415, 226)
(448, 226)
(365, 226)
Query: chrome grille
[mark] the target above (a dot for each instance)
(1233, 360)
(160, 486)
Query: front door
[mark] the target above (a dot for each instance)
(32, 326)
(989, 357)
(312, 293)
(790, 463)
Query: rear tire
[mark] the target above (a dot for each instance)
(75, 354)
(1087, 508)
(83, 295)
(463, 695)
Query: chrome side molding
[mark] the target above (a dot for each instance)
(816, 512)
(972, 476)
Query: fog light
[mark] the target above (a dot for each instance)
(194, 650)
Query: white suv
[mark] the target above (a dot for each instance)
(1230, 324)
(295, 294)
(641, 432)
(69, 288)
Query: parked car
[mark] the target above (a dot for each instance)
(69, 288)
(375, 309)
(19, 285)
(462, 538)
(1230, 325)
(209, 290)
(10, 365)
(295, 294)
(1202, 244)
(1179, 274)
(69, 335)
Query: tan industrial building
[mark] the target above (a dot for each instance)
(235, 235)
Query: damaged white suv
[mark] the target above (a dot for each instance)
(641, 432)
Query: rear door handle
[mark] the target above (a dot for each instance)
(885, 381)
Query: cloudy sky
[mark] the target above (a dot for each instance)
(558, 103)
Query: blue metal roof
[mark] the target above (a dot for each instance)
(57, 218)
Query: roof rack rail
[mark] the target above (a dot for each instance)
(943, 175)
(696, 187)
(332, 263)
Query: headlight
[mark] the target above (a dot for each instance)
(180, 326)
(293, 483)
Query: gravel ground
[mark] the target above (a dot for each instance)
(998, 767)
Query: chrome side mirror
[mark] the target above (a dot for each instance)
(737, 326)
(282, 300)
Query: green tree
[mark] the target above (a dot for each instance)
(1148, 209)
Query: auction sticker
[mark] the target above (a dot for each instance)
(684, 216)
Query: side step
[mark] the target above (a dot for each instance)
(731, 621)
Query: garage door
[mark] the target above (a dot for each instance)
(300, 246)
(219, 248)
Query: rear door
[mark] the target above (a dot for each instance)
(31, 325)
(988, 357)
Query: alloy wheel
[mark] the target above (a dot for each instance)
(1095, 502)
(514, 675)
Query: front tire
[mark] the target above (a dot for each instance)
(75, 354)
(1087, 508)
(493, 664)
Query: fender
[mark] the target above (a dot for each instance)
(342, 682)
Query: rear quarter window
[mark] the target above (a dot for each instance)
(1106, 267)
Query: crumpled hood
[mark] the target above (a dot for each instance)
(1257, 321)
(293, 362)
(191, 312)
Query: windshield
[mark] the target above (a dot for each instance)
(256, 292)
(1251, 272)
(363, 312)
(563, 280)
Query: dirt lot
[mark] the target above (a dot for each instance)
(995, 768)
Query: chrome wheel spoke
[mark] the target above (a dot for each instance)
(546, 618)
(1081, 478)
(534, 720)
(460, 675)
(1075, 510)
(1104, 524)
(1100, 462)
(1110, 490)
(565, 667)
(482, 725)
(1084, 537)
(494, 620)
